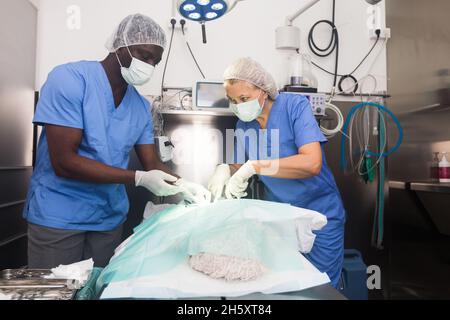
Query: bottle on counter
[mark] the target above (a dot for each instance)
(434, 169)
(444, 169)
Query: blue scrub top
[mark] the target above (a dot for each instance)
(292, 116)
(78, 95)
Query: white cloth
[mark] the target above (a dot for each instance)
(80, 272)
(5, 296)
(306, 222)
(151, 208)
(184, 282)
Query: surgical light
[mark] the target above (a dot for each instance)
(189, 7)
(217, 6)
(205, 10)
(195, 16)
(211, 15)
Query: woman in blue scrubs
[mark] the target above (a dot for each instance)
(92, 116)
(282, 141)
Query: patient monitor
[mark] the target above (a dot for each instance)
(210, 95)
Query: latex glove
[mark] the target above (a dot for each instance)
(219, 180)
(238, 183)
(193, 192)
(158, 182)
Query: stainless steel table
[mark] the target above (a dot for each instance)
(323, 292)
(434, 197)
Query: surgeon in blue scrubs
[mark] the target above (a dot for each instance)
(92, 116)
(282, 141)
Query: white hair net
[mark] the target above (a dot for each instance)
(247, 69)
(136, 29)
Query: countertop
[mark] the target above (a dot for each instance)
(426, 186)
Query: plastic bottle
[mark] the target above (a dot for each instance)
(301, 71)
(444, 169)
(434, 169)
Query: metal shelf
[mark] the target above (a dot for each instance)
(430, 187)
(15, 168)
(425, 186)
(398, 185)
(215, 112)
(12, 204)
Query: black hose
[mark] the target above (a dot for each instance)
(183, 22)
(333, 45)
(173, 22)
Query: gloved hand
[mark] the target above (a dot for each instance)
(238, 183)
(158, 182)
(193, 192)
(219, 180)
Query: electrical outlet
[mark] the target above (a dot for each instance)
(177, 25)
(385, 33)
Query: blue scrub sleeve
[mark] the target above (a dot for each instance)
(147, 136)
(61, 99)
(305, 126)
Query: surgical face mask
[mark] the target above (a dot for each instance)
(139, 72)
(247, 111)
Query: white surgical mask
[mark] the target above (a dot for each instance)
(247, 111)
(139, 72)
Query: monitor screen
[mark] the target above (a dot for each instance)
(211, 95)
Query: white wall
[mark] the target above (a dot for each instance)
(247, 31)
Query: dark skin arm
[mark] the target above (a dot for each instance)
(63, 144)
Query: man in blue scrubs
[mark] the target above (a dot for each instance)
(282, 141)
(92, 116)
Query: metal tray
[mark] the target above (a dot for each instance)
(39, 294)
(10, 274)
(32, 284)
(42, 283)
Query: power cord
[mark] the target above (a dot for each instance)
(182, 101)
(378, 33)
(183, 23)
(329, 133)
(350, 75)
(173, 22)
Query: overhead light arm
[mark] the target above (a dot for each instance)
(290, 19)
(234, 4)
(288, 36)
